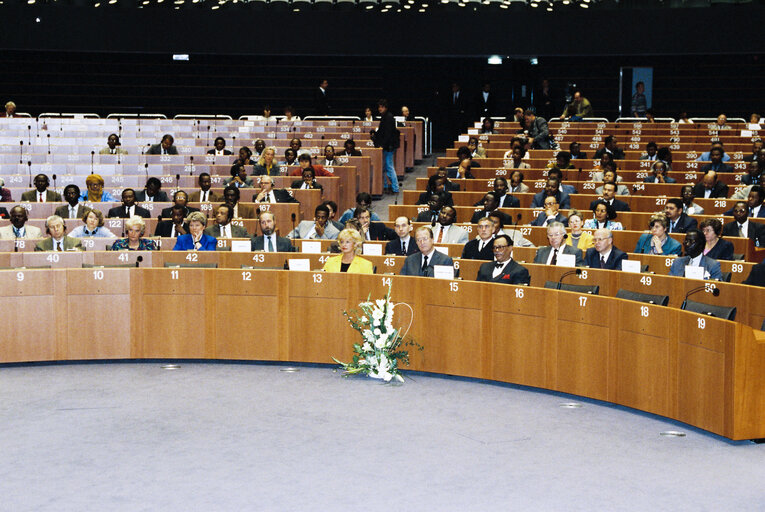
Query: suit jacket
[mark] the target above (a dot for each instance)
(6, 232)
(760, 214)
(282, 244)
(282, 196)
(563, 200)
(50, 196)
(720, 190)
(248, 182)
(185, 243)
(684, 223)
(63, 211)
(756, 231)
(120, 213)
(359, 265)
(723, 167)
(236, 231)
(540, 220)
(506, 220)
(166, 213)
(757, 275)
(747, 179)
(70, 243)
(225, 152)
(619, 206)
(321, 102)
(710, 265)
(378, 231)
(427, 216)
(471, 252)
(212, 197)
(618, 153)
(413, 264)
(614, 261)
(305, 227)
(509, 201)
(156, 149)
(723, 250)
(486, 107)
(5, 195)
(513, 273)
(165, 228)
(454, 235)
(299, 183)
(446, 197)
(161, 197)
(117, 151)
(544, 252)
(541, 134)
(394, 247)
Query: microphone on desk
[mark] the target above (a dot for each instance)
(48, 143)
(54, 182)
(146, 170)
(197, 128)
(21, 151)
(293, 217)
(715, 292)
(138, 261)
(191, 166)
(29, 168)
(92, 157)
(577, 271)
(208, 134)
(177, 181)
(29, 132)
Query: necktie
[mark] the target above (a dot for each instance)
(72, 212)
(672, 227)
(480, 246)
(602, 262)
(554, 260)
(741, 230)
(424, 263)
(58, 246)
(498, 264)
(440, 235)
(17, 232)
(403, 247)
(270, 245)
(204, 196)
(41, 197)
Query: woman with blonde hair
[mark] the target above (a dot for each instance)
(135, 227)
(348, 260)
(267, 163)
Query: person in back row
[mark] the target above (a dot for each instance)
(41, 194)
(165, 147)
(363, 200)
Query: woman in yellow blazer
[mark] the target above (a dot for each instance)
(578, 239)
(350, 242)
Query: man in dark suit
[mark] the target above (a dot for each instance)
(480, 248)
(576, 151)
(204, 194)
(552, 188)
(58, 241)
(421, 264)
(537, 130)
(610, 147)
(716, 163)
(181, 199)
(220, 147)
(321, 99)
(128, 208)
(743, 227)
(175, 226)
(490, 204)
(165, 147)
(609, 196)
(756, 148)
(550, 214)
(457, 110)
(403, 244)
(152, 192)
(757, 275)
(372, 230)
(269, 194)
(556, 235)
(710, 187)
(486, 101)
(73, 210)
(41, 194)
(223, 228)
(753, 202)
(435, 203)
(269, 241)
(504, 199)
(503, 269)
(349, 148)
(679, 222)
(694, 257)
(604, 255)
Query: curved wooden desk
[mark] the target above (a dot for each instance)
(707, 372)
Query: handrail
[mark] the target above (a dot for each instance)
(203, 116)
(136, 116)
(70, 115)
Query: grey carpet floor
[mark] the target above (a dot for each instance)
(252, 437)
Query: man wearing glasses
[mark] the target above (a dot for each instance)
(503, 269)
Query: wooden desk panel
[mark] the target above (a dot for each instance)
(30, 314)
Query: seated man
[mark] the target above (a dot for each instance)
(707, 155)
(689, 206)
(721, 124)
(515, 234)
(403, 244)
(304, 162)
(679, 222)
(490, 204)
(558, 175)
(753, 174)
(610, 146)
(437, 185)
(435, 203)
(576, 151)
(238, 177)
(165, 147)
(479, 248)
(258, 147)
(269, 194)
(180, 198)
(464, 153)
(95, 192)
(579, 108)
(204, 194)
(550, 214)
(41, 194)
(372, 230)
(219, 147)
(694, 257)
(756, 147)
(741, 227)
(516, 183)
(552, 188)
(58, 241)
(231, 197)
(223, 228)
(317, 229)
(445, 232)
(128, 208)
(349, 148)
(332, 213)
(556, 235)
(710, 187)
(443, 172)
(650, 151)
(716, 163)
(610, 176)
(504, 198)
(73, 210)
(113, 146)
(329, 156)
(18, 227)
(504, 269)
(753, 202)
(363, 200)
(307, 181)
(152, 192)
(175, 226)
(604, 255)
(658, 174)
(269, 241)
(608, 195)
(421, 264)
(475, 150)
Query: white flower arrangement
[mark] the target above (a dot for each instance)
(381, 352)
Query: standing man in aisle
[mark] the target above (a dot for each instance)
(387, 137)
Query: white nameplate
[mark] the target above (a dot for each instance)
(566, 260)
(372, 249)
(299, 264)
(632, 266)
(311, 247)
(241, 246)
(443, 271)
(694, 272)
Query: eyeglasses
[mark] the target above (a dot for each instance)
(500, 247)
(600, 239)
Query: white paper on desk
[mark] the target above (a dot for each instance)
(566, 260)
(299, 264)
(443, 271)
(240, 245)
(746, 133)
(399, 119)
(632, 266)
(472, 131)
(249, 123)
(244, 129)
(694, 272)
(754, 126)
(463, 138)
(443, 250)
(372, 249)
(311, 247)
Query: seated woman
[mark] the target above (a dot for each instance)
(488, 126)
(436, 185)
(603, 217)
(516, 160)
(659, 171)
(196, 240)
(135, 227)
(658, 241)
(578, 239)
(93, 226)
(368, 117)
(350, 242)
(238, 178)
(715, 247)
(307, 181)
(267, 164)
(290, 157)
(516, 143)
(95, 192)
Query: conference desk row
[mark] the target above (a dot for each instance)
(588, 165)
(707, 372)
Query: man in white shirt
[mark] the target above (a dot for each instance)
(58, 241)
(404, 245)
(549, 255)
(269, 241)
(223, 228)
(421, 264)
(317, 229)
(18, 227)
(445, 232)
(73, 210)
(503, 269)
